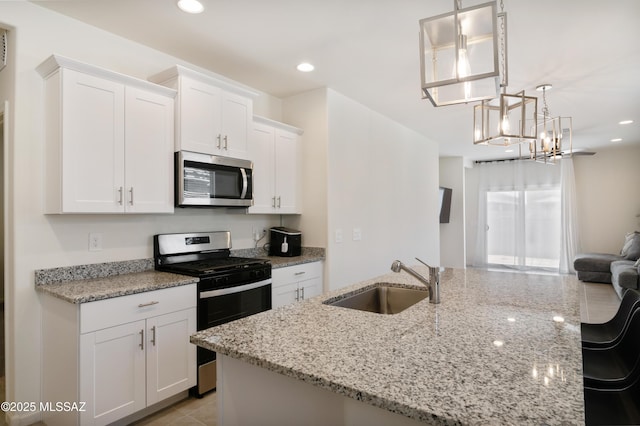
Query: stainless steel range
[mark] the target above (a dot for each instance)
(230, 287)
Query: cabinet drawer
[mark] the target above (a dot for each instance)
(305, 271)
(134, 307)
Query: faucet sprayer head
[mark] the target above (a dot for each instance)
(396, 266)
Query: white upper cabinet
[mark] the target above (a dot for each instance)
(212, 116)
(108, 141)
(274, 149)
(148, 152)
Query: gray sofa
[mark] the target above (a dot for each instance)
(622, 270)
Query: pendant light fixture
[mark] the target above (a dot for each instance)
(553, 133)
(504, 120)
(459, 57)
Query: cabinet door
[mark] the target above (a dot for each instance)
(92, 144)
(286, 176)
(112, 373)
(261, 152)
(148, 152)
(171, 358)
(200, 117)
(237, 113)
(310, 288)
(284, 294)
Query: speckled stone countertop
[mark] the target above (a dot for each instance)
(308, 254)
(88, 283)
(490, 353)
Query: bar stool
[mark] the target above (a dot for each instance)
(609, 333)
(613, 406)
(615, 367)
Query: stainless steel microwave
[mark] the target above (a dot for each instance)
(204, 180)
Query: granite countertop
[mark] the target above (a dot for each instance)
(88, 283)
(308, 255)
(489, 353)
(92, 289)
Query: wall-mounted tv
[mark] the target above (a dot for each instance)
(445, 204)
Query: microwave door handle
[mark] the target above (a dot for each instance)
(245, 183)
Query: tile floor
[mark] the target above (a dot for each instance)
(188, 412)
(598, 304)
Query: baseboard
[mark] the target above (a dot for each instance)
(14, 418)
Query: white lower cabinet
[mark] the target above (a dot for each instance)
(294, 283)
(130, 353)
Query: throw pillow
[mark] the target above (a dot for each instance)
(633, 251)
(628, 242)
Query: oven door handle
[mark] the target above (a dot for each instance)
(232, 290)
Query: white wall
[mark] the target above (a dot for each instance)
(452, 234)
(308, 111)
(380, 178)
(608, 197)
(41, 241)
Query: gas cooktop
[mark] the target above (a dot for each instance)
(200, 254)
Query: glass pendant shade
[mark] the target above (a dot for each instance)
(459, 55)
(505, 121)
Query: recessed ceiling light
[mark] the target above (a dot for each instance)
(626, 122)
(190, 6)
(616, 140)
(305, 67)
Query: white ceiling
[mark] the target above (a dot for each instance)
(368, 50)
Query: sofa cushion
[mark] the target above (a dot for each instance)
(624, 274)
(595, 277)
(631, 248)
(595, 262)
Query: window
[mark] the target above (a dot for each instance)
(523, 228)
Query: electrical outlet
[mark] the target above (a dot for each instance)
(338, 236)
(357, 234)
(258, 234)
(95, 241)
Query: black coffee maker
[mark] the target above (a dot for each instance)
(285, 242)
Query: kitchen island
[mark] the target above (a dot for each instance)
(501, 348)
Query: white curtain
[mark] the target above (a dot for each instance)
(570, 242)
(513, 179)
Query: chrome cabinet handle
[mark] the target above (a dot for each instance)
(219, 141)
(226, 144)
(273, 202)
(131, 195)
(300, 273)
(153, 302)
(302, 293)
(297, 294)
(153, 335)
(141, 340)
(120, 195)
(278, 202)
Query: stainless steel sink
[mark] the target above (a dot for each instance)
(381, 299)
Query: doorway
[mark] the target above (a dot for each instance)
(523, 229)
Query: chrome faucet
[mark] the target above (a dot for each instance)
(433, 283)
